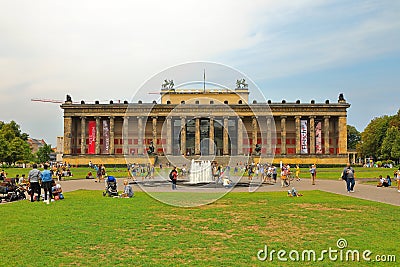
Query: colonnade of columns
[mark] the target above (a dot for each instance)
(255, 127)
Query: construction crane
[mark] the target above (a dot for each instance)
(54, 101)
(57, 101)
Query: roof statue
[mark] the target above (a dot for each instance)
(68, 99)
(168, 84)
(341, 99)
(241, 84)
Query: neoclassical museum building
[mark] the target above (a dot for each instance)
(214, 123)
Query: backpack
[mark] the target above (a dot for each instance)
(344, 175)
(171, 175)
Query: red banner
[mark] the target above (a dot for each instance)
(92, 137)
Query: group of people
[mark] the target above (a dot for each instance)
(38, 180)
(348, 175)
(384, 182)
(17, 180)
(111, 188)
(100, 172)
(144, 171)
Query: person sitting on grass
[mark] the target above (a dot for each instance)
(89, 175)
(57, 191)
(227, 183)
(128, 191)
(22, 180)
(382, 182)
(388, 180)
(294, 193)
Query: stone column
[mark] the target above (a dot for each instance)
(254, 132)
(298, 139)
(312, 135)
(97, 151)
(154, 132)
(225, 148)
(67, 135)
(240, 135)
(168, 149)
(211, 137)
(183, 135)
(326, 134)
(125, 129)
(342, 135)
(83, 135)
(197, 137)
(269, 135)
(112, 135)
(283, 135)
(140, 135)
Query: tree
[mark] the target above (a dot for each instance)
(353, 137)
(11, 130)
(396, 149)
(390, 148)
(13, 145)
(372, 137)
(43, 154)
(18, 149)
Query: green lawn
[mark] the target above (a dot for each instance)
(87, 229)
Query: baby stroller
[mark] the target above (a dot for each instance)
(111, 187)
(11, 192)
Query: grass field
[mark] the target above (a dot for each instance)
(322, 173)
(87, 229)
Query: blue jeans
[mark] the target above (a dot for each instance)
(173, 184)
(350, 184)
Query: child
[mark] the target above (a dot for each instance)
(128, 192)
(294, 193)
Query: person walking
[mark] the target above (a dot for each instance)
(173, 176)
(98, 173)
(46, 183)
(33, 178)
(274, 173)
(349, 175)
(297, 172)
(398, 180)
(313, 172)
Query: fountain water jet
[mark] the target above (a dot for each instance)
(200, 172)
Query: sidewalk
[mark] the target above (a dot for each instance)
(369, 192)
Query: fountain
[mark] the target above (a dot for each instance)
(200, 172)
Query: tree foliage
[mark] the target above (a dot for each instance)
(43, 154)
(381, 138)
(353, 137)
(389, 148)
(13, 145)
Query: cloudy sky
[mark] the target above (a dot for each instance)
(103, 50)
